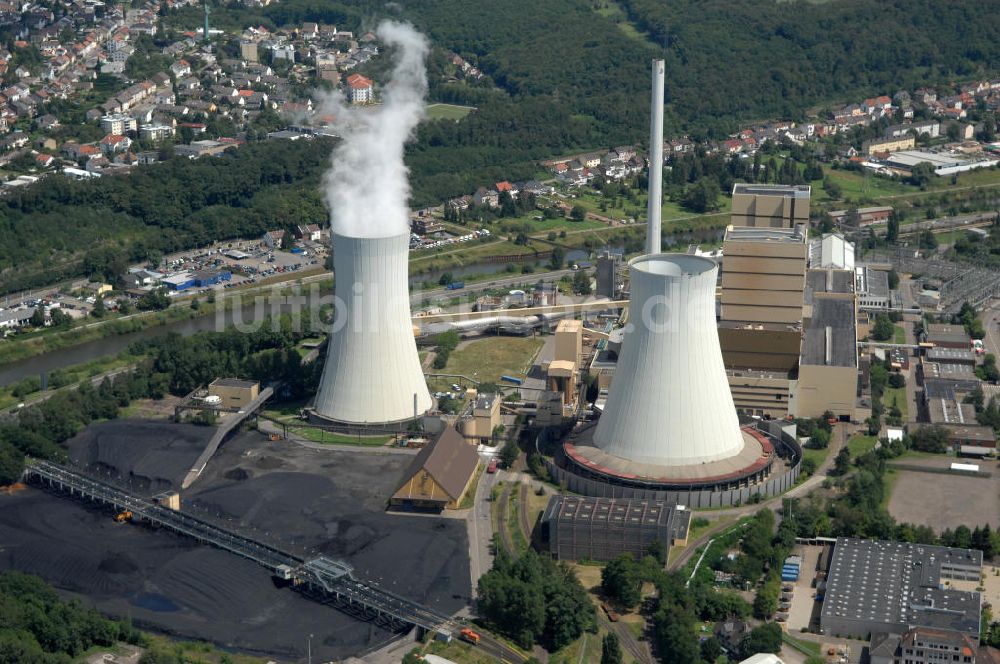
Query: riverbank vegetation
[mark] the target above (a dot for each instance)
(173, 364)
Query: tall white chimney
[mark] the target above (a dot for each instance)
(654, 243)
(372, 373)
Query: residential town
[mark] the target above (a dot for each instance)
(203, 101)
(262, 84)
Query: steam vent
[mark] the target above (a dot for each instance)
(372, 375)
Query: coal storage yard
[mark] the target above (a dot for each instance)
(327, 501)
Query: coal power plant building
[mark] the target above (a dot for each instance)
(372, 376)
(581, 528)
(669, 430)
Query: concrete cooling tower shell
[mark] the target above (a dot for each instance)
(372, 373)
(669, 402)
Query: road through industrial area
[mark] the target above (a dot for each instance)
(837, 441)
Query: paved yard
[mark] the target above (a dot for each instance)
(803, 600)
(945, 501)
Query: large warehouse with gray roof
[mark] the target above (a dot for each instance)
(879, 586)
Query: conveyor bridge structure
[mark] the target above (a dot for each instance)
(323, 579)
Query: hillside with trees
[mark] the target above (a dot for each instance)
(65, 228)
(560, 76)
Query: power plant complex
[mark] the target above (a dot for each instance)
(669, 429)
(372, 375)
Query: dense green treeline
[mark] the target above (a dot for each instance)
(67, 228)
(738, 60)
(174, 365)
(36, 627)
(534, 599)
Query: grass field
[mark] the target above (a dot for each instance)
(198, 652)
(612, 10)
(896, 395)
(819, 456)
(488, 359)
(330, 438)
(808, 648)
(859, 445)
(675, 217)
(857, 186)
(459, 651)
(448, 112)
(899, 334)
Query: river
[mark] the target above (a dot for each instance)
(92, 350)
(112, 345)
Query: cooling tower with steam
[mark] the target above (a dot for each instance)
(372, 374)
(670, 403)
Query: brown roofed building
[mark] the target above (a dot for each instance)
(439, 476)
(924, 645)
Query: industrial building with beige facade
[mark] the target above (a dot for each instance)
(788, 332)
(234, 392)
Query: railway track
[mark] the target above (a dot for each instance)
(525, 519)
(505, 539)
(626, 639)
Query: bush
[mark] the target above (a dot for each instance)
(897, 380)
(765, 638)
(535, 599)
(930, 439)
(621, 581)
(883, 329)
(808, 465)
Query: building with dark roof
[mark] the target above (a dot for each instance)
(731, 633)
(877, 586)
(949, 355)
(947, 336)
(828, 360)
(439, 476)
(584, 528)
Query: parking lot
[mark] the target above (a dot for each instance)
(248, 261)
(803, 602)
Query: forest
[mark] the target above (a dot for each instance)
(39, 628)
(570, 79)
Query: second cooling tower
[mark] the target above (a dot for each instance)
(372, 373)
(669, 403)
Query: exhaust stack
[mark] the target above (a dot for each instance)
(654, 242)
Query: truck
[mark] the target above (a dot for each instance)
(456, 285)
(492, 468)
(512, 379)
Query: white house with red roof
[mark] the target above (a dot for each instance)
(115, 143)
(360, 90)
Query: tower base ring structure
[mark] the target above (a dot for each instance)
(768, 466)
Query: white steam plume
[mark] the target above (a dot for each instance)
(367, 187)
